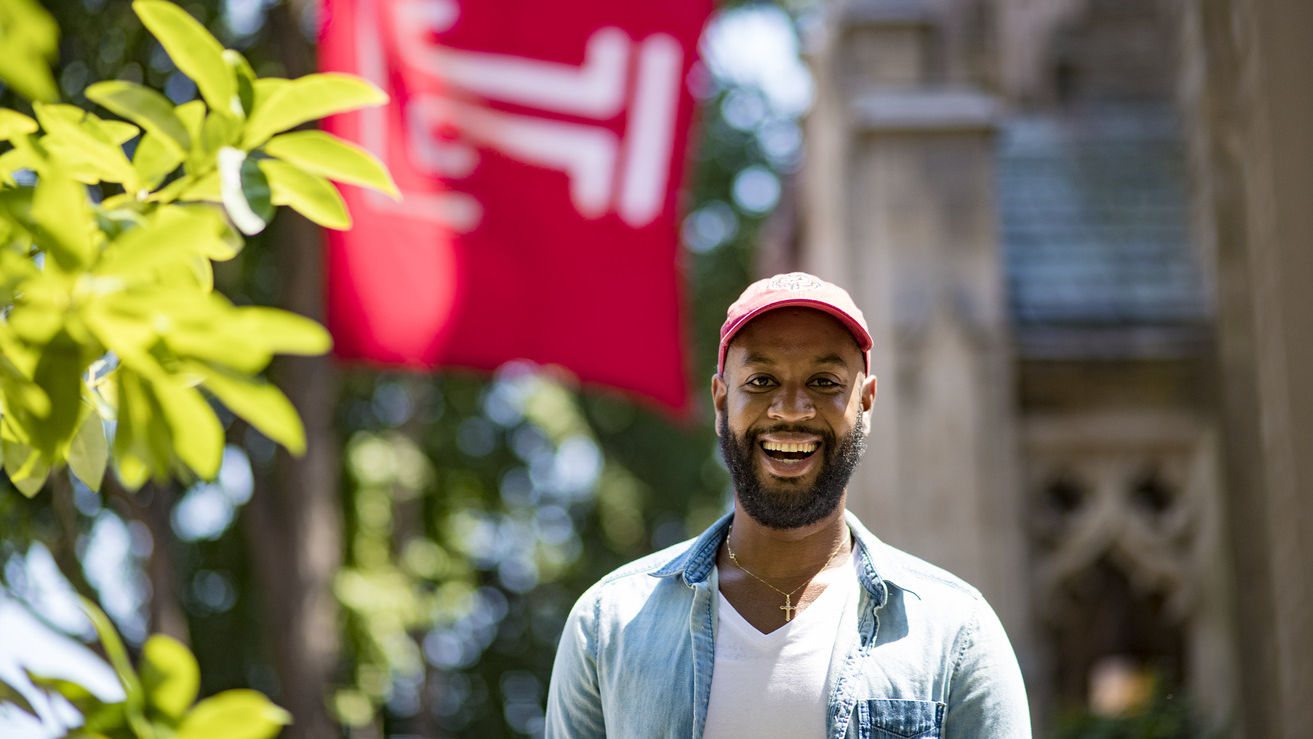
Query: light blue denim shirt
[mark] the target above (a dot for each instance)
(921, 654)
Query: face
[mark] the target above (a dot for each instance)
(790, 412)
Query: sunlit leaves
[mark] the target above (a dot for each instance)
(14, 124)
(118, 659)
(30, 38)
(261, 404)
(305, 99)
(324, 154)
(234, 714)
(310, 195)
(161, 700)
(284, 332)
(196, 53)
(25, 466)
(145, 107)
(170, 676)
(89, 149)
(89, 453)
(61, 218)
(195, 431)
(127, 274)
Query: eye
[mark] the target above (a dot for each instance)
(826, 383)
(760, 382)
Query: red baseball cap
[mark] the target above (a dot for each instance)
(795, 289)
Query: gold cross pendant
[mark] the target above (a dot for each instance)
(788, 608)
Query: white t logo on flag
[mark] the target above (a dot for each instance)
(625, 174)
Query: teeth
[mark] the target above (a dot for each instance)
(780, 446)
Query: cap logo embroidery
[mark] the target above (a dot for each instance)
(794, 282)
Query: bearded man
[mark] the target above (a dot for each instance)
(787, 617)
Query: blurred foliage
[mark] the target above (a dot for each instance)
(159, 699)
(476, 508)
(30, 38)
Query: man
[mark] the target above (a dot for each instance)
(787, 618)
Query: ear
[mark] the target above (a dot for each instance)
(868, 402)
(719, 393)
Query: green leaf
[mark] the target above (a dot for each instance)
(324, 154)
(14, 124)
(285, 332)
(223, 341)
(30, 37)
(17, 366)
(114, 651)
(261, 404)
(219, 130)
(81, 698)
(97, 715)
(26, 467)
(154, 160)
(12, 696)
(119, 132)
(196, 433)
(245, 77)
(169, 676)
(308, 98)
(130, 337)
(169, 236)
(133, 471)
(79, 138)
(62, 214)
(310, 195)
(15, 159)
(234, 714)
(196, 53)
(37, 318)
(264, 88)
(39, 31)
(145, 107)
(28, 75)
(133, 455)
(207, 189)
(192, 115)
(89, 452)
(245, 191)
(59, 373)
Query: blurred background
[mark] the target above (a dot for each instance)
(1079, 229)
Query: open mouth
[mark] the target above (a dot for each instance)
(789, 451)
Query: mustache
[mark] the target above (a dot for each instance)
(787, 428)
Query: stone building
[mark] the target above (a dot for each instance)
(1079, 230)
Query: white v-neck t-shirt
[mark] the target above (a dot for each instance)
(776, 684)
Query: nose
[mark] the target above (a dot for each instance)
(791, 404)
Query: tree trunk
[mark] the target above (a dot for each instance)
(294, 520)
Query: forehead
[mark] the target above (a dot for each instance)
(792, 334)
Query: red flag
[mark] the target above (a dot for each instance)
(539, 147)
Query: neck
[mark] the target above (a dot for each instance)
(785, 554)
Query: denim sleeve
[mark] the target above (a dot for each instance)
(574, 702)
(986, 696)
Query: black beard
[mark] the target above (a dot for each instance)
(786, 507)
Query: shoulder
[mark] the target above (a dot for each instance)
(633, 582)
(911, 573)
(908, 572)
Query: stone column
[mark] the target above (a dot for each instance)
(900, 208)
(1248, 74)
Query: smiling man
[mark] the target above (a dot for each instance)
(787, 618)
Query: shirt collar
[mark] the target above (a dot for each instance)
(874, 565)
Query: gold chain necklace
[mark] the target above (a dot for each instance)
(788, 606)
